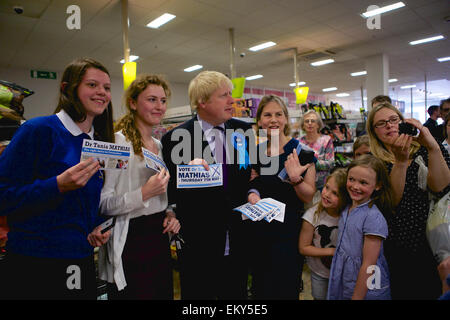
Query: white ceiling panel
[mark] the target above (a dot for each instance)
(200, 35)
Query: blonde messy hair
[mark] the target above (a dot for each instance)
(203, 86)
(128, 122)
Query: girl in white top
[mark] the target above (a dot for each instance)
(319, 232)
(136, 260)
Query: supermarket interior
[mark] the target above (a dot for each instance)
(330, 56)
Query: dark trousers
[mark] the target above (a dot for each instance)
(146, 262)
(276, 271)
(413, 274)
(24, 277)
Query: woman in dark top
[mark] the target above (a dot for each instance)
(416, 166)
(276, 261)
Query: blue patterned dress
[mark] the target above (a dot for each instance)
(347, 260)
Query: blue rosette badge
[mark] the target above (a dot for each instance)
(240, 144)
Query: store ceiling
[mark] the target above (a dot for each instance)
(39, 39)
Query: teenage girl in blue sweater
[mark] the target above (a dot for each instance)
(51, 199)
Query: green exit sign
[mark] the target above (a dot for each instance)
(38, 74)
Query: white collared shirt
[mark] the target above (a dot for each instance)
(211, 134)
(71, 126)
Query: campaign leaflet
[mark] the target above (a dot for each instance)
(195, 176)
(110, 156)
(153, 161)
(267, 209)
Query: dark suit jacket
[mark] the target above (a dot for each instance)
(435, 130)
(206, 214)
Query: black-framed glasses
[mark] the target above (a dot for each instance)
(310, 121)
(383, 123)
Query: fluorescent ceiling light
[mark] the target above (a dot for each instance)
(300, 83)
(439, 37)
(408, 87)
(359, 73)
(158, 22)
(256, 76)
(329, 89)
(443, 59)
(193, 68)
(132, 58)
(392, 80)
(384, 9)
(262, 46)
(344, 94)
(322, 62)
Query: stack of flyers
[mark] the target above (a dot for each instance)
(108, 155)
(153, 161)
(267, 209)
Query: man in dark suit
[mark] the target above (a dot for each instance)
(432, 124)
(213, 263)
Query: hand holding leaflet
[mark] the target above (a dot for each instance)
(267, 209)
(306, 158)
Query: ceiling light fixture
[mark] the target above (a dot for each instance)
(384, 9)
(301, 83)
(256, 76)
(158, 22)
(443, 59)
(193, 68)
(392, 80)
(359, 73)
(262, 46)
(408, 87)
(329, 89)
(132, 58)
(344, 94)
(322, 62)
(439, 37)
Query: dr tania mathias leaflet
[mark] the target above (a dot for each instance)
(110, 156)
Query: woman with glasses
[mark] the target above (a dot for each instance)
(416, 166)
(311, 123)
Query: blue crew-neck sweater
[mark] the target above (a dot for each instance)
(44, 222)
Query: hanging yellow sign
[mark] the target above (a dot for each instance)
(301, 94)
(129, 73)
(238, 87)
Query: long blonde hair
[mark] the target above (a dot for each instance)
(128, 122)
(377, 147)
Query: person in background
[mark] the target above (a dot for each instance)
(446, 133)
(214, 262)
(444, 109)
(136, 261)
(318, 237)
(416, 166)
(361, 146)
(432, 124)
(50, 198)
(362, 229)
(311, 123)
(276, 262)
(380, 99)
